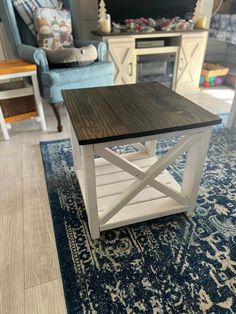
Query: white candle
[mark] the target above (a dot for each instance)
(105, 25)
(201, 22)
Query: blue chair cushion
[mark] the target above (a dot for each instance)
(60, 77)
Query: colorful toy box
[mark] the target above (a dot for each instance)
(212, 75)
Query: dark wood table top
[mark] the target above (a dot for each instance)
(128, 111)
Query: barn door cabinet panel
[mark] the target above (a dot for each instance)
(121, 52)
(191, 56)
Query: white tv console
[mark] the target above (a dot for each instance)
(188, 46)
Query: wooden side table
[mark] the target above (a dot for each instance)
(121, 189)
(12, 69)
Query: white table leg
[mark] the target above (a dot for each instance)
(3, 126)
(38, 102)
(231, 123)
(196, 156)
(90, 190)
(151, 147)
(76, 150)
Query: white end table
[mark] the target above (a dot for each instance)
(121, 189)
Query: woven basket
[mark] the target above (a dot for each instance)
(209, 70)
(17, 108)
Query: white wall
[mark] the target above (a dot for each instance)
(5, 50)
(87, 16)
(207, 6)
(216, 51)
(220, 52)
(230, 56)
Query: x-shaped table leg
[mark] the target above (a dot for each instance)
(145, 178)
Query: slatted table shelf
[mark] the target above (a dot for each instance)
(121, 189)
(111, 182)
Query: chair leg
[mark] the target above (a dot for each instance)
(56, 109)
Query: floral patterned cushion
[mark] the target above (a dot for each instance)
(53, 28)
(25, 9)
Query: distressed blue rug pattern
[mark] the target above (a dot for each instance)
(170, 265)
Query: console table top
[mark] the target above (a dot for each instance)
(127, 111)
(195, 30)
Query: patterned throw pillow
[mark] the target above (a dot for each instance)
(53, 28)
(25, 9)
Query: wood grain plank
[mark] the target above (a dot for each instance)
(11, 180)
(32, 164)
(47, 298)
(16, 66)
(11, 263)
(11, 196)
(21, 117)
(91, 110)
(25, 134)
(117, 187)
(147, 194)
(120, 176)
(134, 213)
(40, 254)
(134, 110)
(155, 107)
(108, 168)
(11, 229)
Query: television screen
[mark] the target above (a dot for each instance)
(124, 9)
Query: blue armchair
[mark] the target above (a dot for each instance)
(52, 81)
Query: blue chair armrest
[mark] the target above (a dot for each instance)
(34, 55)
(101, 47)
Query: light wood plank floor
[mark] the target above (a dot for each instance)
(30, 279)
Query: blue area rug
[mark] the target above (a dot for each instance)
(170, 265)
